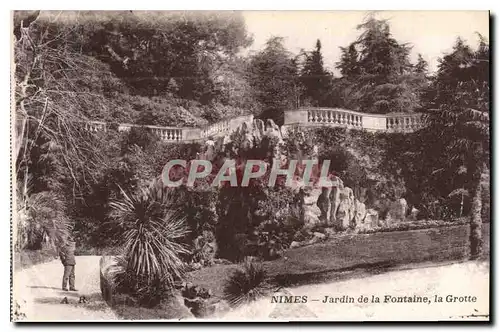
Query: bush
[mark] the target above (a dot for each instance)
(42, 219)
(144, 290)
(246, 284)
(150, 233)
(204, 249)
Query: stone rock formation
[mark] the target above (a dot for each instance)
(253, 133)
(342, 220)
(397, 211)
(338, 206)
(273, 131)
(371, 218)
(359, 212)
(312, 212)
(335, 207)
(200, 302)
(324, 204)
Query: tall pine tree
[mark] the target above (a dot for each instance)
(378, 76)
(273, 76)
(315, 78)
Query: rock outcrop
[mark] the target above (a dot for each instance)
(359, 213)
(108, 268)
(397, 211)
(335, 207)
(200, 301)
(371, 219)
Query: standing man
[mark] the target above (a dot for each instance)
(67, 255)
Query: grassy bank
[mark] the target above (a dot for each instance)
(352, 255)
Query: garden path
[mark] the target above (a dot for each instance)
(38, 292)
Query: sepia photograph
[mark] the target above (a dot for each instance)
(250, 166)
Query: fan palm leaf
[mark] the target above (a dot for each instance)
(41, 218)
(151, 234)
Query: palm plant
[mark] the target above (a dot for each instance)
(151, 233)
(246, 284)
(41, 218)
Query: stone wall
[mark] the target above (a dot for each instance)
(107, 268)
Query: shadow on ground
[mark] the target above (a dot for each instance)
(44, 287)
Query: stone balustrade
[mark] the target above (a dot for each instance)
(225, 127)
(335, 117)
(301, 117)
(404, 122)
(95, 126)
(216, 129)
(167, 134)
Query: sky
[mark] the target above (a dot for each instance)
(432, 33)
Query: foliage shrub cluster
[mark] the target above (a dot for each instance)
(246, 284)
(382, 167)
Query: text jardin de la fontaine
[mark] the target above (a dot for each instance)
(374, 299)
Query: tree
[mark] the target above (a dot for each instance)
(377, 76)
(158, 52)
(54, 155)
(315, 78)
(421, 66)
(348, 64)
(459, 100)
(273, 76)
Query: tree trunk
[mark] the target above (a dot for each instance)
(476, 240)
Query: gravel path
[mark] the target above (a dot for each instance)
(461, 279)
(38, 292)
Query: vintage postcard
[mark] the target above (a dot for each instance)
(250, 166)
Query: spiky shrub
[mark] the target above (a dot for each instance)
(151, 234)
(40, 218)
(246, 284)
